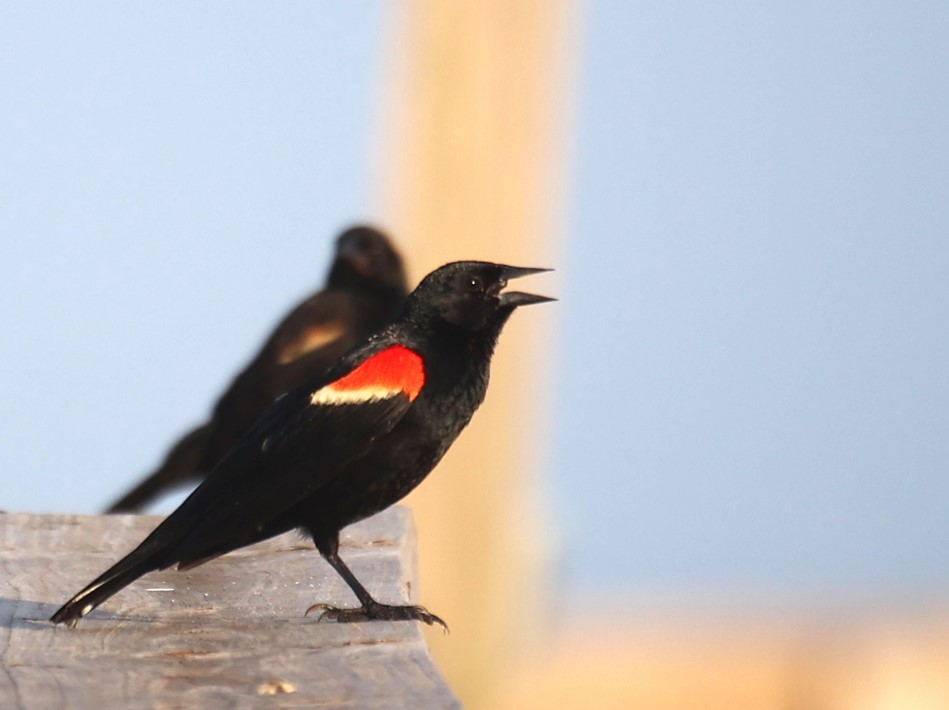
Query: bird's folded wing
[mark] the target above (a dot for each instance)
(306, 439)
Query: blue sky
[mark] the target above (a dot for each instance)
(757, 298)
(753, 386)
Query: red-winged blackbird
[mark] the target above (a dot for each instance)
(345, 445)
(364, 291)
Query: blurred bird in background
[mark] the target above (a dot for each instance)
(364, 291)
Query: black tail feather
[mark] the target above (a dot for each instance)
(143, 559)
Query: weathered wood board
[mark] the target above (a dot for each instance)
(230, 633)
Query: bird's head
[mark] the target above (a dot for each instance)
(364, 255)
(468, 294)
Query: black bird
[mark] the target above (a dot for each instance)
(345, 445)
(364, 291)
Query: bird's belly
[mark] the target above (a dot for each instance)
(372, 486)
(389, 472)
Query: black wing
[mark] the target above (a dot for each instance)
(292, 451)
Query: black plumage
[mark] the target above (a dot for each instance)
(345, 445)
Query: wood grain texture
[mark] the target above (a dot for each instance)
(230, 633)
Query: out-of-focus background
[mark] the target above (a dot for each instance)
(714, 474)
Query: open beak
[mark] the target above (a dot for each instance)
(514, 299)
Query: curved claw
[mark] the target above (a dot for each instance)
(381, 612)
(326, 607)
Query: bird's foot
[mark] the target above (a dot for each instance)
(382, 612)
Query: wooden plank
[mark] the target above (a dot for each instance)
(230, 633)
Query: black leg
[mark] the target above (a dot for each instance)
(370, 609)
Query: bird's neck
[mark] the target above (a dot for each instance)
(458, 356)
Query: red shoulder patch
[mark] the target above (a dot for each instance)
(396, 369)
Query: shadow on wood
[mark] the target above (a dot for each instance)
(227, 633)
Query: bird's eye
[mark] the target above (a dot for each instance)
(475, 284)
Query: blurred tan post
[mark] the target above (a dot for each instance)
(473, 168)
